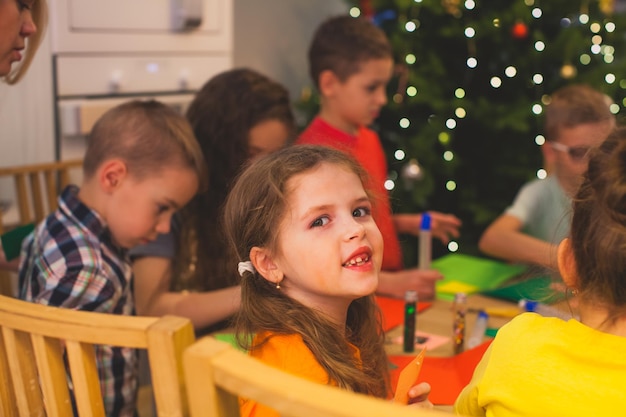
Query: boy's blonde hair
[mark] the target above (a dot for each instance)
(342, 44)
(575, 105)
(39, 11)
(147, 136)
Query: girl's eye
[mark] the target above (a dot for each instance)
(361, 212)
(320, 221)
(23, 6)
(162, 209)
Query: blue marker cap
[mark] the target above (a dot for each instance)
(528, 305)
(482, 314)
(425, 222)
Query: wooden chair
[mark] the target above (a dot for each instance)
(32, 345)
(36, 189)
(216, 374)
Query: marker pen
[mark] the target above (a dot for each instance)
(425, 243)
(410, 319)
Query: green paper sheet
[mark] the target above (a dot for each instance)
(536, 288)
(471, 273)
(228, 338)
(12, 241)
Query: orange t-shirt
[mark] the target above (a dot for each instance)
(290, 354)
(366, 148)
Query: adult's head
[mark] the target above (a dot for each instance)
(577, 119)
(22, 24)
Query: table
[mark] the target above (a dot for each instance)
(438, 320)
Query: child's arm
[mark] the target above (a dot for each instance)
(443, 226)
(397, 283)
(504, 239)
(153, 298)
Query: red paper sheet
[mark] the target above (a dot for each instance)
(393, 311)
(446, 376)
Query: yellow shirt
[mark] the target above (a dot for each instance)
(290, 354)
(539, 366)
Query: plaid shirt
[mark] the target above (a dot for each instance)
(70, 261)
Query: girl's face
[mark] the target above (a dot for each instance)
(266, 137)
(16, 24)
(329, 248)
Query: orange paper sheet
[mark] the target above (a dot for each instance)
(446, 376)
(393, 311)
(408, 377)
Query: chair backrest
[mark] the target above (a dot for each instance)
(37, 187)
(35, 338)
(217, 374)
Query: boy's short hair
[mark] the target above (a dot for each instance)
(147, 136)
(342, 43)
(575, 105)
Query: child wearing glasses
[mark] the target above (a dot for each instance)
(577, 118)
(550, 367)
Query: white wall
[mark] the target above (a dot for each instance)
(26, 117)
(272, 36)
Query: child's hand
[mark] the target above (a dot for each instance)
(5, 265)
(443, 226)
(397, 283)
(418, 395)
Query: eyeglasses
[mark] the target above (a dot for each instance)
(577, 153)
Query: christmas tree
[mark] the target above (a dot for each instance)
(463, 125)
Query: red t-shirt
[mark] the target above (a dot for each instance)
(365, 147)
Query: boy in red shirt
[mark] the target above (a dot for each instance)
(351, 62)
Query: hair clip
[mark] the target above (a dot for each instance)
(245, 266)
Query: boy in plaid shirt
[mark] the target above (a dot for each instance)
(141, 165)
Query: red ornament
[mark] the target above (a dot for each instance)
(519, 30)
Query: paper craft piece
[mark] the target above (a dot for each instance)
(433, 341)
(446, 376)
(481, 273)
(228, 338)
(408, 377)
(453, 287)
(12, 241)
(393, 311)
(537, 288)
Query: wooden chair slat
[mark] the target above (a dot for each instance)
(23, 371)
(52, 376)
(84, 370)
(55, 331)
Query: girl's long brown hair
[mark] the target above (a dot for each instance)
(222, 114)
(253, 212)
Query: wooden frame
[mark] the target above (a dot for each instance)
(216, 374)
(34, 339)
(37, 187)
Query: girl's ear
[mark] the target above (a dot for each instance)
(264, 264)
(327, 83)
(567, 264)
(111, 174)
